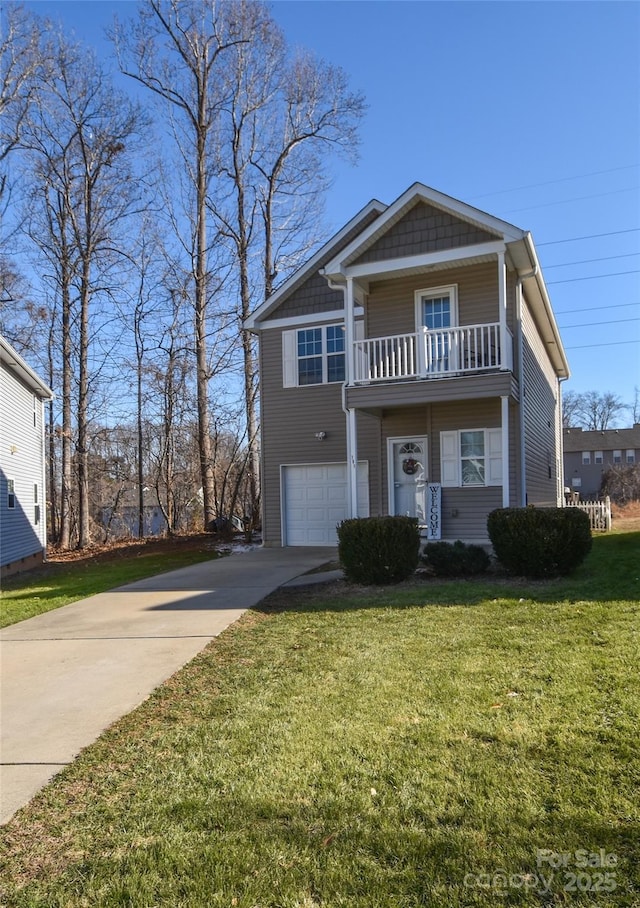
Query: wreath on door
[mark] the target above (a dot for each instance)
(410, 466)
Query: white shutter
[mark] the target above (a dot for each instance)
(290, 358)
(493, 444)
(449, 459)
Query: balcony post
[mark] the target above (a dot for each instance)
(504, 406)
(502, 304)
(349, 333)
(350, 377)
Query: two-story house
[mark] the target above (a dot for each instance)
(23, 524)
(588, 454)
(412, 366)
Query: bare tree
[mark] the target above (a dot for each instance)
(175, 49)
(283, 118)
(19, 64)
(81, 138)
(593, 410)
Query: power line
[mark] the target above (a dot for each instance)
(593, 277)
(606, 258)
(620, 321)
(594, 173)
(581, 198)
(611, 344)
(593, 236)
(593, 308)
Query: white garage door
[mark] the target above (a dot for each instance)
(315, 500)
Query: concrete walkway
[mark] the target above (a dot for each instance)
(70, 673)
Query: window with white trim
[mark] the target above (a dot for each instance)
(617, 456)
(313, 356)
(598, 457)
(471, 458)
(11, 493)
(586, 458)
(631, 455)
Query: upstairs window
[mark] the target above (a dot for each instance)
(313, 356)
(617, 456)
(586, 458)
(631, 455)
(11, 493)
(598, 457)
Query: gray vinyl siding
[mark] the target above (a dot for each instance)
(577, 440)
(424, 229)
(472, 505)
(290, 419)
(540, 401)
(313, 294)
(21, 459)
(390, 307)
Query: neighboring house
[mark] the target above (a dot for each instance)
(121, 517)
(588, 454)
(412, 366)
(23, 517)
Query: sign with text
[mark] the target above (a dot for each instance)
(434, 511)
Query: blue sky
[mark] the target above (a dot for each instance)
(528, 110)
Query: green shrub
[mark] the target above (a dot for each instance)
(378, 550)
(540, 542)
(455, 559)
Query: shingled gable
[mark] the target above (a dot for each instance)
(433, 220)
(312, 268)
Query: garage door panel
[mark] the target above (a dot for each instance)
(315, 501)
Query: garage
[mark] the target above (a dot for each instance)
(314, 500)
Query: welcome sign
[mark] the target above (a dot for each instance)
(434, 510)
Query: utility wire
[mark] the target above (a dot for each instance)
(581, 198)
(594, 276)
(606, 258)
(594, 308)
(592, 236)
(592, 324)
(612, 344)
(594, 173)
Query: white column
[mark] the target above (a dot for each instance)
(352, 432)
(504, 401)
(502, 305)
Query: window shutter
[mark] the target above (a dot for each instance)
(290, 359)
(493, 442)
(449, 459)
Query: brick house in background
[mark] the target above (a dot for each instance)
(588, 454)
(412, 366)
(23, 517)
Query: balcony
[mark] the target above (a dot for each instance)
(445, 353)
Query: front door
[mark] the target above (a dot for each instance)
(408, 477)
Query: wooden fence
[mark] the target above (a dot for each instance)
(599, 512)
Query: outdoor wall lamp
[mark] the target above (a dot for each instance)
(321, 436)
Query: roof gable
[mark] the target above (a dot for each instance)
(428, 205)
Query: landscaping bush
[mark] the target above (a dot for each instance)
(457, 559)
(540, 542)
(378, 550)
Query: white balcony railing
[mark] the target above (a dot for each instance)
(432, 354)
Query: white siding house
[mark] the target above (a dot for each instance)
(23, 534)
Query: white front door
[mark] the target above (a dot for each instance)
(408, 474)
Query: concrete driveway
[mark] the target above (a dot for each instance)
(70, 673)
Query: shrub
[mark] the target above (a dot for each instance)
(540, 542)
(455, 559)
(378, 550)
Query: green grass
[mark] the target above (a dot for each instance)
(351, 747)
(56, 585)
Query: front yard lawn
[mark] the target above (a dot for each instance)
(432, 744)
